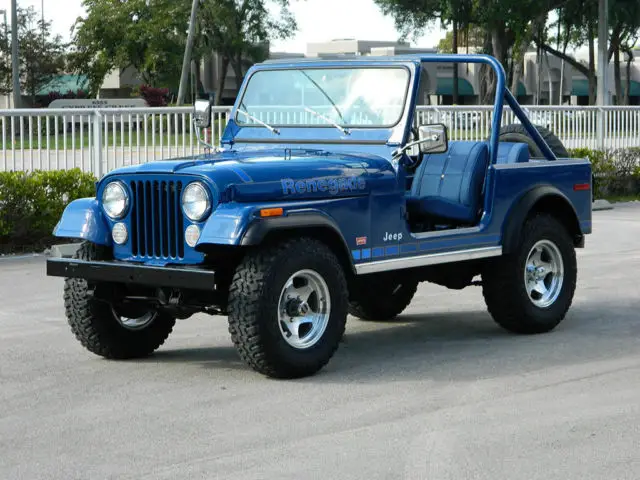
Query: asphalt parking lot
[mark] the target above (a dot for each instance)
(440, 393)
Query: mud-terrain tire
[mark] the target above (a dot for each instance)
(376, 299)
(98, 327)
(264, 308)
(516, 132)
(506, 283)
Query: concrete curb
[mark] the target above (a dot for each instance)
(601, 205)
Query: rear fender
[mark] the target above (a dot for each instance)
(542, 195)
(83, 219)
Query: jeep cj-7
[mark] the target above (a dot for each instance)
(329, 195)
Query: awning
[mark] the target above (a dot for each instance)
(581, 88)
(445, 86)
(65, 83)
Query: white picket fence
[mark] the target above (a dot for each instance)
(100, 140)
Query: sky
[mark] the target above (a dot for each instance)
(318, 21)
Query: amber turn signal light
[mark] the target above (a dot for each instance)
(271, 212)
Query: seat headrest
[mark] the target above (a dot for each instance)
(512, 152)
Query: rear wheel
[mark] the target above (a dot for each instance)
(107, 330)
(531, 289)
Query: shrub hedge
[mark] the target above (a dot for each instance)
(31, 204)
(616, 171)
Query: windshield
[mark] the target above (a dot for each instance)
(347, 97)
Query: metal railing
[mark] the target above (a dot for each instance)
(100, 140)
(576, 127)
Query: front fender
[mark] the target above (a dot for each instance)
(226, 225)
(238, 225)
(84, 219)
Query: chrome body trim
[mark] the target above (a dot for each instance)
(429, 259)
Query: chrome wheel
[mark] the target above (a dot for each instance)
(303, 309)
(544, 273)
(136, 323)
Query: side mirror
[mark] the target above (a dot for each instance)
(433, 138)
(202, 114)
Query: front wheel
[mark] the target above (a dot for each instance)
(531, 289)
(288, 308)
(106, 330)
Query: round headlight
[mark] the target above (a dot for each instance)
(195, 201)
(115, 200)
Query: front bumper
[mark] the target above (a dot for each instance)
(120, 272)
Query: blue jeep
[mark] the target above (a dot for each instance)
(326, 197)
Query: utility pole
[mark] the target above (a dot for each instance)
(15, 64)
(186, 61)
(603, 67)
(6, 45)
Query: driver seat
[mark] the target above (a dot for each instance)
(449, 185)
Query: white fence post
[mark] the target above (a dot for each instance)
(601, 128)
(97, 143)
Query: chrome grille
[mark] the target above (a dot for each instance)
(156, 219)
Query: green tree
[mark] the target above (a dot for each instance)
(509, 26)
(148, 35)
(412, 16)
(577, 26)
(240, 32)
(471, 37)
(42, 55)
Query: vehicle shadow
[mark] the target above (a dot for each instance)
(223, 357)
(470, 346)
(444, 346)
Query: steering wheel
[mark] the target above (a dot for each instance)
(409, 162)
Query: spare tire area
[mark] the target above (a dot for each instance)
(516, 132)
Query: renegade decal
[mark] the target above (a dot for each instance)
(331, 185)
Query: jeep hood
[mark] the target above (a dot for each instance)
(276, 174)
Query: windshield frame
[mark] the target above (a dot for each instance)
(344, 66)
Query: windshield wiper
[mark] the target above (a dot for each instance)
(326, 95)
(327, 119)
(273, 130)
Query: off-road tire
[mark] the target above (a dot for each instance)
(378, 300)
(93, 323)
(253, 308)
(503, 284)
(516, 132)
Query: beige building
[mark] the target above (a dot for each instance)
(543, 79)
(580, 84)
(119, 83)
